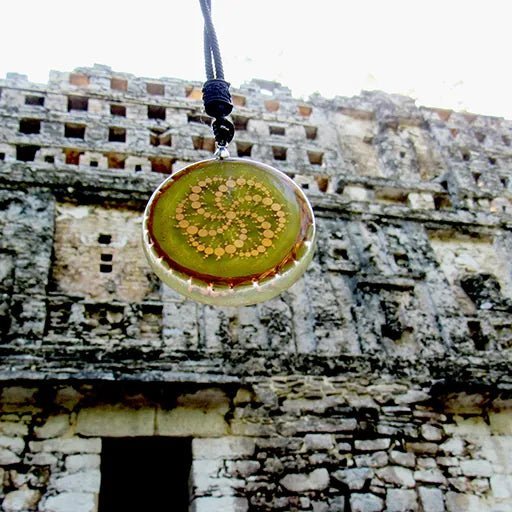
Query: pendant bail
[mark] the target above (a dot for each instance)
(221, 152)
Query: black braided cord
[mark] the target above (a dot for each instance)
(216, 96)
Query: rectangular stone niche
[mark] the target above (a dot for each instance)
(145, 473)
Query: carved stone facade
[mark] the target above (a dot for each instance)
(380, 381)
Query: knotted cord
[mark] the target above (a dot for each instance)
(216, 96)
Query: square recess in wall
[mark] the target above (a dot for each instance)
(145, 473)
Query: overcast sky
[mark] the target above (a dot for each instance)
(447, 53)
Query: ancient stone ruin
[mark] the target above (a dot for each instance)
(380, 381)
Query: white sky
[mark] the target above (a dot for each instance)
(450, 53)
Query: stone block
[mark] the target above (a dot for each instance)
(402, 458)
(224, 504)
(453, 446)
(67, 446)
(430, 476)
(18, 395)
(14, 444)
(54, 426)
(447, 461)
(422, 448)
(224, 448)
(80, 462)
(115, 421)
(472, 427)
(501, 486)
(478, 467)
(243, 468)
(318, 442)
(400, 500)
(458, 502)
(397, 475)
(366, 503)
(8, 457)
(431, 499)
(68, 397)
(412, 396)
(21, 500)
(431, 433)
(70, 502)
(13, 429)
(189, 421)
(420, 201)
(317, 480)
(40, 459)
(501, 422)
(83, 482)
(357, 193)
(374, 460)
(368, 445)
(354, 478)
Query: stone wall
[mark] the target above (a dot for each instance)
(282, 443)
(380, 381)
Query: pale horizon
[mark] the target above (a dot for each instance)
(450, 55)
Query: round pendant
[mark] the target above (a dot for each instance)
(229, 232)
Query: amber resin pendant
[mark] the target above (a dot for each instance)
(229, 232)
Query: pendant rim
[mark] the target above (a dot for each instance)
(241, 290)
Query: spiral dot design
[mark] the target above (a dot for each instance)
(227, 217)
(229, 232)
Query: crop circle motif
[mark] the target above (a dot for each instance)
(228, 232)
(216, 224)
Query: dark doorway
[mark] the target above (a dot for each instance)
(145, 473)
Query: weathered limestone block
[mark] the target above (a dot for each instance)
(431, 433)
(314, 442)
(366, 503)
(501, 486)
(214, 504)
(422, 448)
(84, 481)
(402, 458)
(473, 427)
(184, 421)
(375, 460)
(8, 457)
(501, 422)
(15, 444)
(412, 396)
(476, 468)
(317, 480)
(68, 445)
(243, 468)
(453, 446)
(430, 476)
(40, 459)
(431, 499)
(21, 500)
(372, 444)
(13, 428)
(397, 475)
(54, 426)
(457, 502)
(355, 478)
(420, 201)
(115, 421)
(70, 502)
(400, 500)
(80, 462)
(224, 448)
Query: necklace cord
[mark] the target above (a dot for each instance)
(216, 96)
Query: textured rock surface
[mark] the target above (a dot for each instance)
(379, 381)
